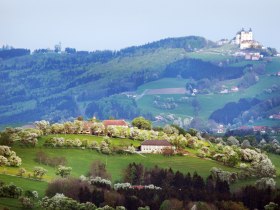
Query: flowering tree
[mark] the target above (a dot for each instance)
(227, 176)
(98, 128)
(59, 201)
(8, 157)
(3, 160)
(63, 171)
(43, 125)
(265, 183)
(14, 160)
(232, 141)
(245, 144)
(39, 172)
(28, 138)
(57, 128)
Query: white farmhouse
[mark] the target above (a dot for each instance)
(155, 146)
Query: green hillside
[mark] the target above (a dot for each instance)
(59, 86)
(211, 101)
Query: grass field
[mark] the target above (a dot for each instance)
(163, 83)
(208, 103)
(91, 138)
(25, 184)
(80, 161)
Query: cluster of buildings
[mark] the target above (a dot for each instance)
(234, 89)
(245, 39)
(261, 129)
(275, 116)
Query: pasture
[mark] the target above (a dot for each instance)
(80, 161)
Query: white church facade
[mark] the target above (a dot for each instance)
(245, 39)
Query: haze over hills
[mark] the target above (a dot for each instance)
(58, 85)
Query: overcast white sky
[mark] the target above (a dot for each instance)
(115, 24)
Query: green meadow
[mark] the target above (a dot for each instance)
(80, 160)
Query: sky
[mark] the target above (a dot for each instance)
(115, 24)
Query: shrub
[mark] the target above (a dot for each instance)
(5, 151)
(10, 190)
(232, 141)
(201, 153)
(26, 202)
(59, 201)
(98, 181)
(141, 123)
(14, 161)
(227, 176)
(43, 158)
(3, 161)
(97, 168)
(63, 171)
(21, 171)
(167, 151)
(39, 172)
(265, 183)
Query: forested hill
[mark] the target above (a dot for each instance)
(55, 85)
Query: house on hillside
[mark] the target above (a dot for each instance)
(275, 116)
(234, 89)
(254, 56)
(224, 91)
(107, 123)
(261, 129)
(155, 146)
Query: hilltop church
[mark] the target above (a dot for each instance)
(245, 39)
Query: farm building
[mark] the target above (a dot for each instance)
(155, 146)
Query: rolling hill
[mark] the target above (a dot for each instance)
(57, 86)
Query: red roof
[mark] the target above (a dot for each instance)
(114, 122)
(156, 143)
(244, 128)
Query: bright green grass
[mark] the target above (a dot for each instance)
(146, 103)
(209, 56)
(80, 161)
(163, 83)
(25, 183)
(91, 138)
(14, 204)
(10, 203)
(208, 103)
